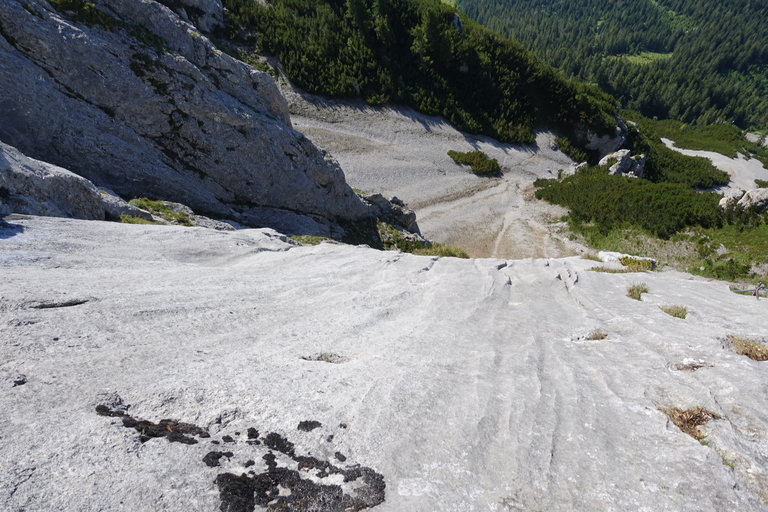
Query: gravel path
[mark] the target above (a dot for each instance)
(400, 152)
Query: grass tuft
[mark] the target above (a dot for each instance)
(591, 256)
(746, 347)
(689, 420)
(162, 209)
(130, 219)
(636, 264)
(636, 291)
(675, 311)
(597, 334)
(310, 239)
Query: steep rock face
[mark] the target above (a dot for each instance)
(135, 99)
(37, 188)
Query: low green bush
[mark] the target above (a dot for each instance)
(479, 162)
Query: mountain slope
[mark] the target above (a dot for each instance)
(421, 53)
(693, 60)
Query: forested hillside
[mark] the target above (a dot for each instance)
(699, 61)
(421, 53)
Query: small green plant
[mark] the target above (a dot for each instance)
(597, 334)
(591, 256)
(163, 210)
(636, 291)
(689, 420)
(636, 264)
(675, 311)
(479, 162)
(746, 347)
(309, 239)
(130, 219)
(761, 183)
(393, 238)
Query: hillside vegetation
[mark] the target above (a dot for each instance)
(698, 61)
(420, 53)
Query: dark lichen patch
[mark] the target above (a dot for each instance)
(228, 439)
(309, 425)
(278, 443)
(211, 459)
(174, 431)
(279, 488)
(340, 457)
(237, 492)
(19, 380)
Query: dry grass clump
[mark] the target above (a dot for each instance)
(752, 349)
(689, 420)
(675, 311)
(611, 270)
(636, 291)
(597, 334)
(591, 256)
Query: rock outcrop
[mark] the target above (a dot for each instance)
(756, 199)
(622, 162)
(33, 187)
(134, 98)
(164, 369)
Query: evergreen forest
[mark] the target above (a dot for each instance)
(420, 53)
(697, 61)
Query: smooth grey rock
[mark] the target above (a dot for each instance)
(757, 198)
(467, 384)
(33, 187)
(149, 107)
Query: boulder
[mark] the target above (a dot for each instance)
(138, 101)
(624, 163)
(607, 143)
(757, 199)
(33, 187)
(393, 212)
(730, 197)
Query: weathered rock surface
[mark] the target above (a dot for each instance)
(37, 188)
(454, 384)
(207, 15)
(136, 100)
(757, 199)
(624, 163)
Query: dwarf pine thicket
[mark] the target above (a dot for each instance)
(421, 53)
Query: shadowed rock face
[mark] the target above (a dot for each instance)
(135, 99)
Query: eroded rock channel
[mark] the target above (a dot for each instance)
(300, 483)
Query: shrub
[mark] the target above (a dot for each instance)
(130, 219)
(164, 210)
(636, 291)
(479, 162)
(675, 311)
(571, 150)
(636, 264)
(761, 183)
